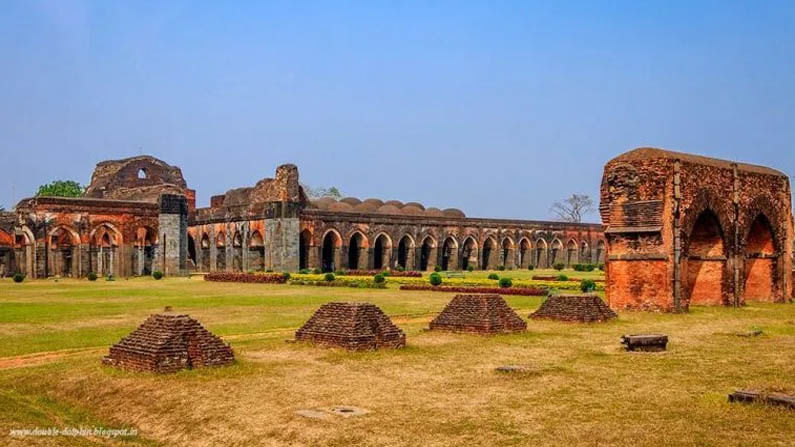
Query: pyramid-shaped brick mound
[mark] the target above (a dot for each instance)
(580, 308)
(353, 326)
(166, 343)
(483, 314)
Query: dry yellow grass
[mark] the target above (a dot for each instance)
(441, 390)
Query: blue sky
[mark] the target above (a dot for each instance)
(497, 108)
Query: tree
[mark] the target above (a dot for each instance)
(61, 188)
(573, 208)
(317, 193)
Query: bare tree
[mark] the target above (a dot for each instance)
(573, 208)
(317, 193)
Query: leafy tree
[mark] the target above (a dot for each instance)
(317, 193)
(574, 208)
(61, 188)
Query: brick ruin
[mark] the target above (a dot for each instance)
(684, 229)
(478, 313)
(167, 343)
(352, 326)
(575, 308)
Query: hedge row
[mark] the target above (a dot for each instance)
(556, 278)
(272, 278)
(524, 291)
(340, 283)
(396, 273)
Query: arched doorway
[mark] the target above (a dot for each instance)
(449, 254)
(555, 252)
(103, 251)
(705, 261)
(405, 255)
(541, 254)
(63, 252)
(489, 250)
(146, 245)
(304, 242)
(220, 250)
(571, 253)
(382, 252)
(507, 258)
(469, 254)
(191, 253)
(357, 252)
(237, 252)
(330, 255)
(428, 254)
(585, 253)
(256, 251)
(524, 253)
(205, 248)
(760, 261)
(600, 252)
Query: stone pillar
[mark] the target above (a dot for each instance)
(282, 234)
(244, 249)
(173, 229)
(213, 249)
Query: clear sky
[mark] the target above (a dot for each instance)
(497, 108)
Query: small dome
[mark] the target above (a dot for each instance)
(410, 210)
(389, 209)
(340, 206)
(396, 203)
(453, 212)
(415, 204)
(366, 207)
(376, 202)
(323, 202)
(434, 212)
(353, 201)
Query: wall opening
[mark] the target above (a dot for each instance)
(706, 260)
(331, 245)
(355, 251)
(760, 261)
(304, 242)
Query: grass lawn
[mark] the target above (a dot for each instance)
(579, 388)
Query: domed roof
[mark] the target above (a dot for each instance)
(366, 207)
(396, 203)
(415, 204)
(434, 212)
(411, 210)
(323, 202)
(453, 212)
(353, 201)
(376, 202)
(340, 206)
(389, 209)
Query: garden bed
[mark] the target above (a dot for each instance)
(270, 278)
(523, 291)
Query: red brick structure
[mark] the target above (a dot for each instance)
(684, 229)
(479, 313)
(352, 326)
(167, 343)
(575, 308)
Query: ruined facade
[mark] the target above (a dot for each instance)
(684, 229)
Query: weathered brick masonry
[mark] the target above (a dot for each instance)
(685, 229)
(353, 326)
(581, 308)
(478, 313)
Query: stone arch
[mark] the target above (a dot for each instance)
(64, 259)
(469, 253)
(507, 252)
(542, 251)
(525, 248)
(191, 251)
(450, 253)
(705, 254)
(205, 251)
(490, 253)
(237, 251)
(428, 253)
(382, 251)
(555, 252)
(256, 251)
(358, 245)
(146, 247)
(572, 256)
(761, 258)
(330, 250)
(585, 253)
(220, 240)
(405, 252)
(304, 250)
(600, 251)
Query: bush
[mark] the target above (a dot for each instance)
(470, 268)
(157, 274)
(317, 271)
(340, 273)
(286, 275)
(587, 285)
(379, 278)
(91, 276)
(506, 283)
(437, 268)
(501, 268)
(110, 278)
(305, 271)
(269, 271)
(559, 266)
(602, 267)
(435, 279)
(329, 277)
(530, 267)
(579, 267)
(19, 277)
(400, 268)
(494, 276)
(562, 278)
(388, 273)
(590, 267)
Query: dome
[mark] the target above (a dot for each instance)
(434, 212)
(415, 204)
(453, 212)
(366, 207)
(376, 202)
(389, 209)
(353, 201)
(411, 210)
(323, 202)
(340, 206)
(396, 203)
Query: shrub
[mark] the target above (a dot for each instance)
(501, 268)
(530, 267)
(19, 277)
(317, 271)
(579, 267)
(91, 276)
(400, 268)
(286, 275)
(387, 273)
(157, 274)
(305, 271)
(590, 267)
(587, 285)
(110, 278)
(470, 268)
(340, 273)
(602, 267)
(437, 268)
(329, 277)
(494, 276)
(435, 279)
(379, 278)
(559, 266)
(562, 278)
(506, 283)
(269, 271)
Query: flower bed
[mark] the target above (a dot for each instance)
(555, 278)
(339, 283)
(459, 282)
(523, 291)
(271, 278)
(395, 273)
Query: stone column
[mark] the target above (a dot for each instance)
(213, 249)
(282, 235)
(173, 228)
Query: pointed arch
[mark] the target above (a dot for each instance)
(330, 253)
(572, 255)
(705, 255)
(358, 246)
(469, 253)
(256, 251)
(405, 253)
(305, 246)
(490, 254)
(450, 253)
(761, 258)
(428, 253)
(525, 248)
(382, 251)
(542, 250)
